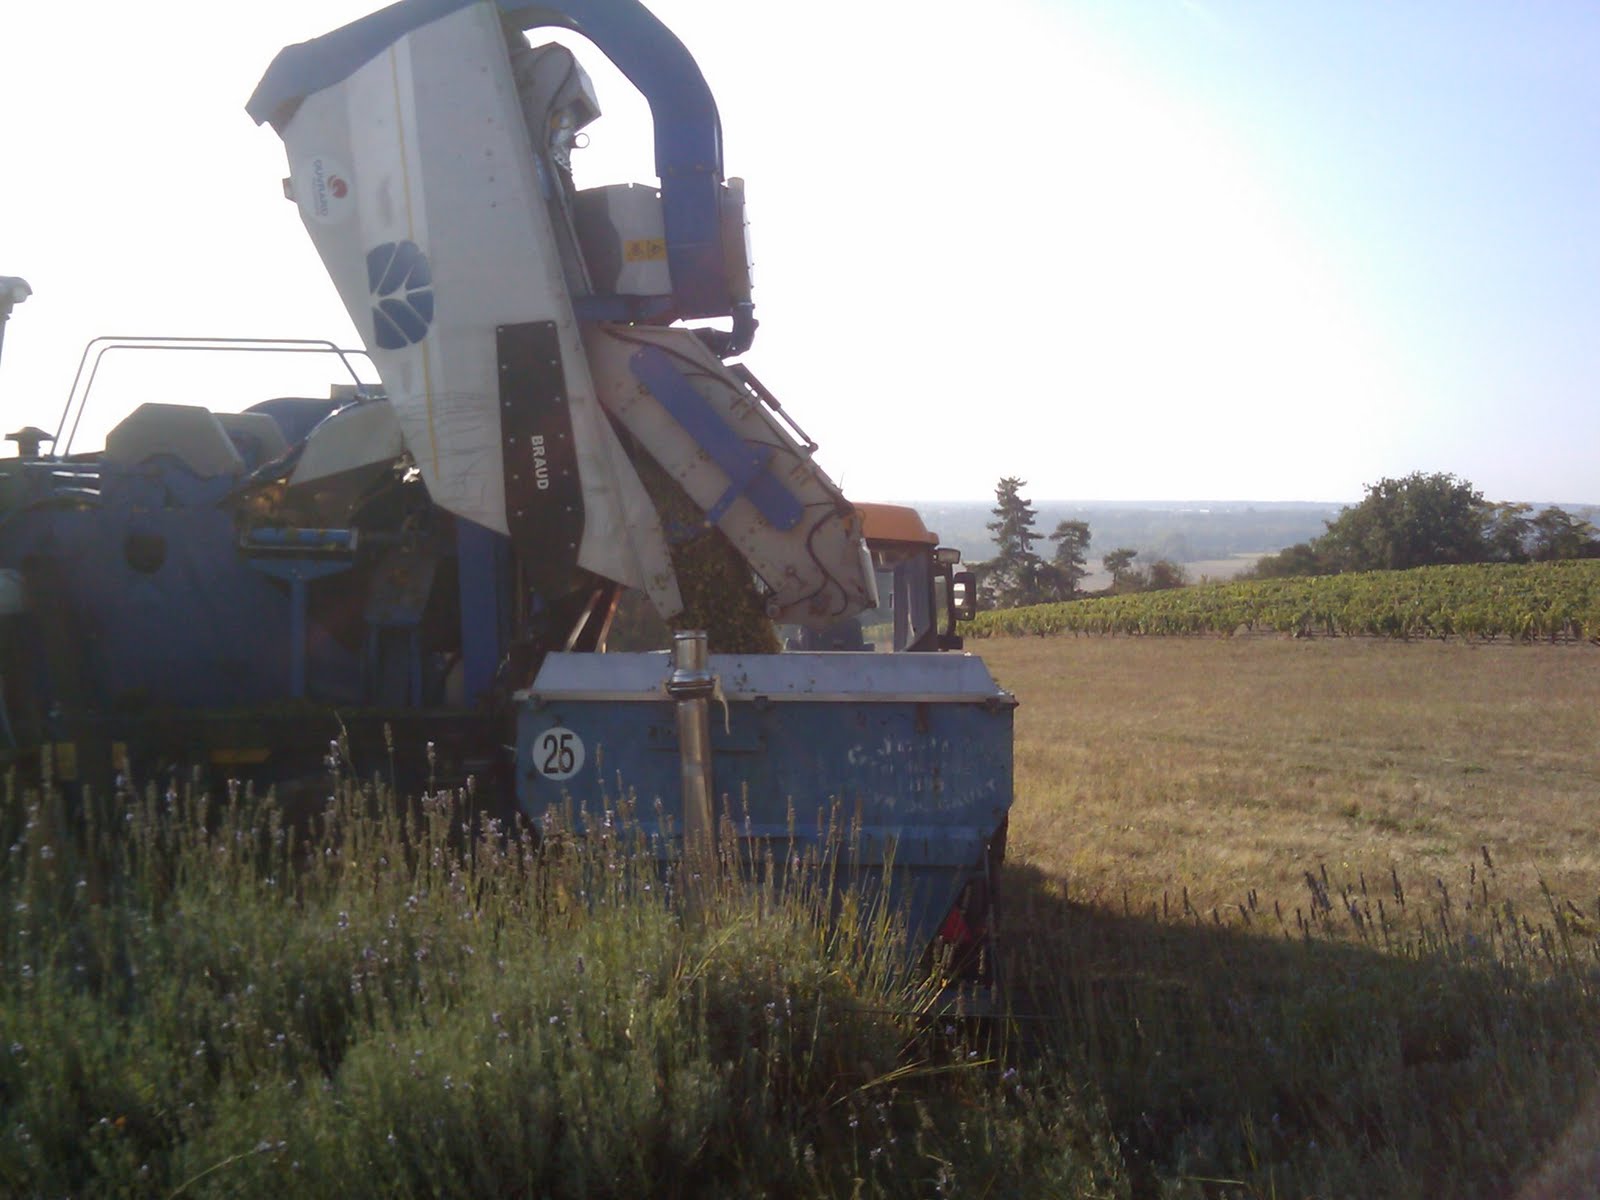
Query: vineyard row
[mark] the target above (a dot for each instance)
(1557, 601)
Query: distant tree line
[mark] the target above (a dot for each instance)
(1430, 520)
(1018, 574)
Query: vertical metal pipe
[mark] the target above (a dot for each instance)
(691, 684)
(299, 599)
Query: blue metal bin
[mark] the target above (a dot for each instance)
(910, 755)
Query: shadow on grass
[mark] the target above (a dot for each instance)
(1361, 1051)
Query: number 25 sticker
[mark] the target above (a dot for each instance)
(558, 753)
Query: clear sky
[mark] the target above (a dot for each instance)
(1237, 249)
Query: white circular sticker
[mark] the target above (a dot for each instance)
(558, 753)
(325, 189)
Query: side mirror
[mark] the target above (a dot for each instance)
(964, 595)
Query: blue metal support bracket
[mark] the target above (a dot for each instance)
(483, 567)
(744, 464)
(299, 572)
(299, 556)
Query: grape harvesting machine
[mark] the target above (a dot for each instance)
(431, 562)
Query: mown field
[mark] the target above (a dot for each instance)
(1150, 765)
(1343, 879)
(1285, 918)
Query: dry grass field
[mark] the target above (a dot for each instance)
(394, 1002)
(1248, 1034)
(1149, 765)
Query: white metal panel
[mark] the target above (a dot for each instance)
(817, 571)
(186, 432)
(431, 148)
(357, 436)
(629, 218)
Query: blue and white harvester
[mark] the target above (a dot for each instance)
(435, 562)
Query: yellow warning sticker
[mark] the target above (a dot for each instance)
(644, 249)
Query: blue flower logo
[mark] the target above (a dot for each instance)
(399, 276)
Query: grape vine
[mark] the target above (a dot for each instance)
(1555, 601)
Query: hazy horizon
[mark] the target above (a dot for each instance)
(1196, 504)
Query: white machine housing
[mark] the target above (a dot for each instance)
(433, 181)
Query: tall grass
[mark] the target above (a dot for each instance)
(203, 1000)
(1372, 1040)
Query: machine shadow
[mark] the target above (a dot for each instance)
(1412, 1057)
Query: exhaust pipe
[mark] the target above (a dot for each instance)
(692, 685)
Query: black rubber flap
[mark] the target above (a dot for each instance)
(544, 494)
